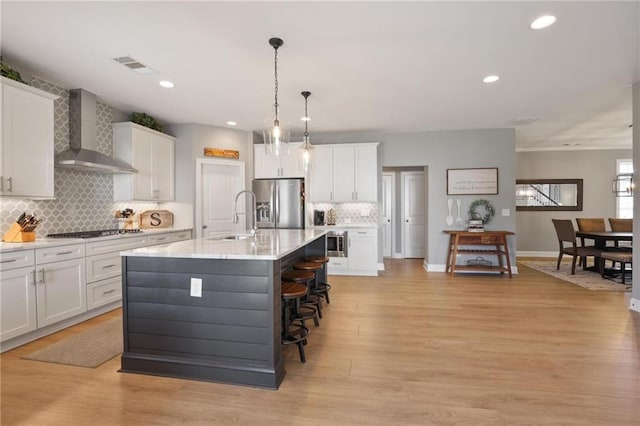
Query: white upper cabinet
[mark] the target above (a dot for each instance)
(321, 184)
(27, 145)
(267, 166)
(152, 154)
(343, 173)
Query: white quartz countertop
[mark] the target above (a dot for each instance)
(269, 244)
(45, 242)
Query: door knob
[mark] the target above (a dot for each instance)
(388, 220)
(204, 226)
(407, 220)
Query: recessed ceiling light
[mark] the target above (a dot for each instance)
(490, 79)
(231, 123)
(166, 83)
(542, 22)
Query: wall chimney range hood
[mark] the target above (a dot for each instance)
(82, 154)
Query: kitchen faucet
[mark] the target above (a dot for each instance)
(236, 219)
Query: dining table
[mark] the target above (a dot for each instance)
(601, 238)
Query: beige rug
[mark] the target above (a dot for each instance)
(91, 348)
(587, 279)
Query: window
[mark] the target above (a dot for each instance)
(624, 205)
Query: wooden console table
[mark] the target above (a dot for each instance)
(496, 239)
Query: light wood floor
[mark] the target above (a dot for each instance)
(408, 347)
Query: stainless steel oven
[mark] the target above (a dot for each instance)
(337, 244)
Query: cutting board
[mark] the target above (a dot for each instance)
(152, 219)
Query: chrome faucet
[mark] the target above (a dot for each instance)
(236, 219)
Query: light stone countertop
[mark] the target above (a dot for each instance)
(269, 244)
(58, 242)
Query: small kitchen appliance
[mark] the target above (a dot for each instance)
(318, 217)
(337, 243)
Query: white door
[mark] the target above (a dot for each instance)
(388, 185)
(413, 214)
(17, 303)
(217, 183)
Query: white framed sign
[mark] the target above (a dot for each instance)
(483, 181)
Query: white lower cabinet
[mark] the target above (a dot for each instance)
(17, 302)
(104, 292)
(338, 266)
(45, 286)
(362, 254)
(61, 290)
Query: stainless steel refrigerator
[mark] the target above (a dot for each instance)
(279, 203)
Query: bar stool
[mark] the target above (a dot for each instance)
(292, 333)
(305, 277)
(312, 267)
(321, 289)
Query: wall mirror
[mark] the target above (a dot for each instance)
(549, 194)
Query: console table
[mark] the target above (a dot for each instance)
(487, 242)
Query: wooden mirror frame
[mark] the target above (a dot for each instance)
(577, 182)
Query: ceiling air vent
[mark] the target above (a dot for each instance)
(133, 64)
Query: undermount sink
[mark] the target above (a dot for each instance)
(238, 237)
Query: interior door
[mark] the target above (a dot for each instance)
(388, 184)
(413, 214)
(218, 182)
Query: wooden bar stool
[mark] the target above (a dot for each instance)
(292, 293)
(306, 278)
(321, 288)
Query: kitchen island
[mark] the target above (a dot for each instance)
(209, 309)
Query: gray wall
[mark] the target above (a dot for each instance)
(190, 144)
(597, 168)
(437, 152)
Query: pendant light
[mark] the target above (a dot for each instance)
(306, 147)
(276, 133)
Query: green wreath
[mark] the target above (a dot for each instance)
(490, 212)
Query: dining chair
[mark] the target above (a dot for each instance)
(622, 225)
(590, 224)
(567, 235)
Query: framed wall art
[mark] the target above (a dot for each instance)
(482, 181)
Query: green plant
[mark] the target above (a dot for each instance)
(7, 71)
(146, 120)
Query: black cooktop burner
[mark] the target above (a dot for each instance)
(93, 234)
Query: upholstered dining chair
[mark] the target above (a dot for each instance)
(590, 224)
(567, 235)
(621, 225)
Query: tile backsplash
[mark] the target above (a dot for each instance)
(84, 200)
(361, 214)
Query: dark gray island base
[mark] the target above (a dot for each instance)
(231, 334)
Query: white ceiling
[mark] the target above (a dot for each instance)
(371, 66)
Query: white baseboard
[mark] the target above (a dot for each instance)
(397, 256)
(381, 266)
(634, 304)
(553, 254)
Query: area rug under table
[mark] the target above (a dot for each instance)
(91, 348)
(587, 279)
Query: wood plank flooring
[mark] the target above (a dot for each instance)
(405, 348)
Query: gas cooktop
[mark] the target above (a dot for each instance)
(93, 234)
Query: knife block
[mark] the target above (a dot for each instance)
(15, 234)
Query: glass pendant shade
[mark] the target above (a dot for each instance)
(276, 136)
(306, 152)
(306, 149)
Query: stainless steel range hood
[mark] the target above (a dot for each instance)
(82, 154)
